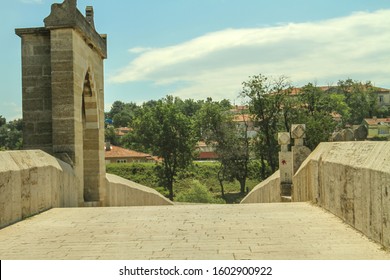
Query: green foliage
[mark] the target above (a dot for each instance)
(110, 135)
(319, 127)
(315, 110)
(205, 172)
(379, 138)
(170, 127)
(360, 99)
(197, 193)
(188, 107)
(123, 119)
(165, 131)
(11, 134)
(266, 102)
(3, 121)
(142, 173)
(211, 121)
(122, 113)
(231, 142)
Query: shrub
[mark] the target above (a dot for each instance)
(197, 193)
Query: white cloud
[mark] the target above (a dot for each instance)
(215, 64)
(138, 50)
(32, 1)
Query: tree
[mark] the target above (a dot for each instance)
(116, 108)
(122, 113)
(123, 119)
(266, 98)
(315, 110)
(233, 152)
(188, 107)
(11, 134)
(360, 98)
(110, 135)
(165, 131)
(3, 121)
(231, 142)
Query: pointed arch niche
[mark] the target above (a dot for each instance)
(91, 148)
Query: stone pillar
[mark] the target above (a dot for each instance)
(36, 88)
(299, 151)
(285, 164)
(63, 94)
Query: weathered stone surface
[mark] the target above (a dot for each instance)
(337, 136)
(36, 89)
(66, 15)
(284, 138)
(360, 133)
(122, 192)
(348, 135)
(285, 167)
(265, 192)
(269, 231)
(299, 154)
(32, 182)
(349, 179)
(63, 105)
(298, 131)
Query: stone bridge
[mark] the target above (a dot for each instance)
(345, 216)
(247, 231)
(57, 202)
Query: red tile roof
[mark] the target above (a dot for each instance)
(201, 144)
(207, 155)
(121, 131)
(297, 90)
(376, 121)
(242, 118)
(118, 152)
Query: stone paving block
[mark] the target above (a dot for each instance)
(245, 231)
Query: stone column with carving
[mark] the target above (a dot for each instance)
(285, 164)
(299, 151)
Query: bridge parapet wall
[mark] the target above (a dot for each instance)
(267, 191)
(352, 181)
(122, 192)
(31, 182)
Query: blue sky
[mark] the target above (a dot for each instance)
(201, 48)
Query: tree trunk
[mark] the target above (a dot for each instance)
(221, 184)
(170, 188)
(242, 185)
(262, 167)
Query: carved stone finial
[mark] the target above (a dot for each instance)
(69, 4)
(66, 15)
(284, 140)
(90, 16)
(62, 14)
(72, 3)
(298, 132)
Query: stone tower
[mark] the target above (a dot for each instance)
(63, 94)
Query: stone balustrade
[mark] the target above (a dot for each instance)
(352, 181)
(32, 182)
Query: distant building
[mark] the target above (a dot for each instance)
(383, 97)
(121, 131)
(383, 94)
(114, 154)
(242, 120)
(206, 152)
(239, 109)
(377, 127)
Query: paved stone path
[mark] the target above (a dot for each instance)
(249, 231)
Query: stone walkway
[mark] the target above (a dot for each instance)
(248, 231)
